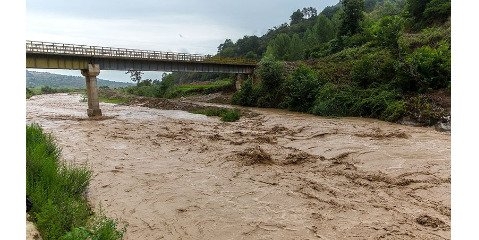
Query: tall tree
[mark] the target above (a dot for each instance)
(296, 17)
(324, 29)
(279, 47)
(415, 9)
(352, 16)
(309, 12)
(135, 75)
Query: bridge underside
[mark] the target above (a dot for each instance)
(52, 61)
(90, 68)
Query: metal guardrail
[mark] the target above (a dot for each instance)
(97, 51)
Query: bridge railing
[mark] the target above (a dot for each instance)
(97, 51)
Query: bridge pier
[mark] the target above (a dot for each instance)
(92, 90)
(239, 81)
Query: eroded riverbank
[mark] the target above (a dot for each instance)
(278, 175)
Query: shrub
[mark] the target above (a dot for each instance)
(426, 69)
(226, 115)
(386, 32)
(378, 102)
(272, 74)
(333, 101)
(375, 67)
(247, 95)
(47, 90)
(29, 93)
(394, 111)
(301, 89)
(231, 116)
(437, 11)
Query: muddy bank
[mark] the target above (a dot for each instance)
(170, 174)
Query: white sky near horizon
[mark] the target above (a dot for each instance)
(191, 26)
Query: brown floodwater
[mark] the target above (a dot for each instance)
(279, 175)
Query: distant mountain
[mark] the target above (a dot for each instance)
(39, 79)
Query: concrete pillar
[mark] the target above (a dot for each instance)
(239, 81)
(92, 89)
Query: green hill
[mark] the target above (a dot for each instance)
(386, 59)
(40, 79)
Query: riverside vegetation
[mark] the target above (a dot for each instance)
(57, 190)
(386, 59)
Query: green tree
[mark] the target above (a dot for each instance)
(248, 45)
(226, 49)
(279, 47)
(309, 12)
(351, 18)
(272, 74)
(415, 9)
(422, 12)
(386, 32)
(437, 11)
(324, 29)
(296, 17)
(227, 44)
(296, 50)
(135, 75)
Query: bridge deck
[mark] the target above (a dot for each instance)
(71, 56)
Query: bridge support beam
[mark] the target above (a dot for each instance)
(92, 90)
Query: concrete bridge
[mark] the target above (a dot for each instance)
(89, 60)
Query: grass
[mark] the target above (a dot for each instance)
(114, 100)
(57, 191)
(49, 90)
(200, 88)
(226, 115)
(112, 96)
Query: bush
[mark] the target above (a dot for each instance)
(47, 90)
(272, 74)
(247, 95)
(231, 116)
(437, 11)
(29, 93)
(426, 69)
(333, 101)
(386, 32)
(375, 67)
(55, 188)
(378, 102)
(226, 115)
(301, 89)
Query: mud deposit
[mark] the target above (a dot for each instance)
(278, 175)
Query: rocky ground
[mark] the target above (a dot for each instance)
(169, 174)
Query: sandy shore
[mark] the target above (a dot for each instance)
(279, 175)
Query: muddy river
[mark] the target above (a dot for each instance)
(278, 175)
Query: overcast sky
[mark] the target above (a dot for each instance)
(192, 26)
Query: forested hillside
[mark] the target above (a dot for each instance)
(387, 59)
(41, 79)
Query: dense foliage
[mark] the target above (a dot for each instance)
(370, 58)
(366, 58)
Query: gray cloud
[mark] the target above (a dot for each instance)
(194, 26)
